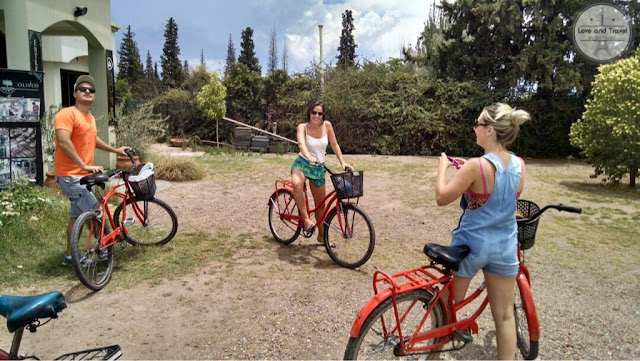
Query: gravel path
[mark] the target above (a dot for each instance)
(291, 302)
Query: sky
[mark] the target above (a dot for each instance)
(382, 27)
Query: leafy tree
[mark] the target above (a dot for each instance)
(275, 84)
(247, 52)
(273, 51)
(244, 93)
(231, 56)
(609, 132)
(130, 66)
(347, 48)
(211, 99)
(172, 72)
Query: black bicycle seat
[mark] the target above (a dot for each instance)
(449, 257)
(99, 179)
(23, 310)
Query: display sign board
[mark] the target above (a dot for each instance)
(21, 107)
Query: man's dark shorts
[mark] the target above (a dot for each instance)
(81, 199)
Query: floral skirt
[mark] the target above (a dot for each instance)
(313, 172)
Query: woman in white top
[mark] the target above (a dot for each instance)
(313, 138)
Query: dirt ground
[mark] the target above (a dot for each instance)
(292, 302)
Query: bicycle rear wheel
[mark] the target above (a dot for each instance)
(378, 337)
(524, 330)
(92, 267)
(154, 222)
(281, 206)
(349, 236)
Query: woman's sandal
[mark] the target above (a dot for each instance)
(308, 232)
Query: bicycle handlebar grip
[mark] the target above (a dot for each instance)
(348, 169)
(569, 209)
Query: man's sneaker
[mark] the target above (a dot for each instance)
(83, 260)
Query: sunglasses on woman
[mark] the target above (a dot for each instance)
(476, 124)
(313, 112)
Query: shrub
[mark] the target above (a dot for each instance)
(138, 127)
(177, 169)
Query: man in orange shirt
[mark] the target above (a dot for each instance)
(76, 141)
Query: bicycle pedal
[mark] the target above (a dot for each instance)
(129, 220)
(463, 335)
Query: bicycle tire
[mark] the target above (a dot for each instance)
(348, 250)
(161, 224)
(385, 347)
(93, 272)
(283, 230)
(528, 347)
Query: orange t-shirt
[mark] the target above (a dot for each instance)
(83, 136)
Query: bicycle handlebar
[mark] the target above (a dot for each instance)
(559, 207)
(347, 169)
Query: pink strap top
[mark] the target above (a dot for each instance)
(476, 200)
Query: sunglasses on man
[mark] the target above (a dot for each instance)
(83, 89)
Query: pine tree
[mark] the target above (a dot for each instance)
(156, 75)
(247, 52)
(231, 56)
(203, 64)
(150, 79)
(172, 73)
(273, 51)
(130, 66)
(285, 57)
(347, 49)
(185, 69)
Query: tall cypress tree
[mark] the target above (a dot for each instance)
(347, 49)
(185, 69)
(172, 73)
(156, 75)
(149, 76)
(203, 64)
(247, 52)
(285, 57)
(231, 56)
(130, 66)
(273, 51)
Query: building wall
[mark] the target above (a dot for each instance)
(55, 19)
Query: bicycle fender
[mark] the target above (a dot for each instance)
(274, 194)
(367, 309)
(529, 306)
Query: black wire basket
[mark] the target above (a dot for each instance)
(526, 227)
(348, 184)
(145, 189)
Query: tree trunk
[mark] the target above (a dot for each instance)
(633, 173)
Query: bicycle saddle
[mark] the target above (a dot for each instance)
(449, 257)
(95, 179)
(23, 310)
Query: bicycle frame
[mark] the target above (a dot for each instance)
(295, 219)
(428, 278)
(116, 233)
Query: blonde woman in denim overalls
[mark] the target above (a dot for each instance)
(488, 187)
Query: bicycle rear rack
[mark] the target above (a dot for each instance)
(112, 352)
(403, 281)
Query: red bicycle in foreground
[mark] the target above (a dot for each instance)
(415, 314)
(26, 311)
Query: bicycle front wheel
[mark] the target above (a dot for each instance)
(379, 336)
(524, 330)
(349, 236)
(284, 217)
(92, 265)
(148, 223)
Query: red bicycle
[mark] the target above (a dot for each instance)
(415, 314)
(349, 237)
(26, 311)
(140, 219)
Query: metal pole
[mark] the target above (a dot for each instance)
(217, 140)
(321, 60)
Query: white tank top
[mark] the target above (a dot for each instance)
(317, 147)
